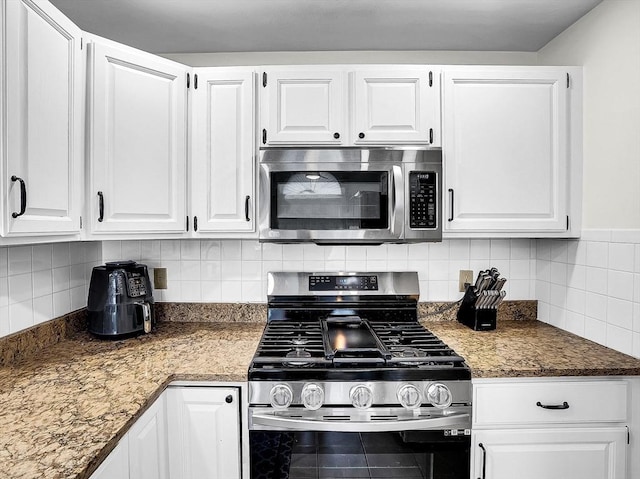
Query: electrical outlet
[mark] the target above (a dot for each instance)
(160, 278)
(465, 278)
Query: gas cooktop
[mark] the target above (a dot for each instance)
(349, 327)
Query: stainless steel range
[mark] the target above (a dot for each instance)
(343, 361)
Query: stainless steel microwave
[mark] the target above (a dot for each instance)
(350, 195)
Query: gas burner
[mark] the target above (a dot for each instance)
(297, 358)
(299, 341)
(413, 356)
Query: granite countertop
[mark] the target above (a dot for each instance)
(64, 409)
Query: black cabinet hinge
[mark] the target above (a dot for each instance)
(195, 223)
(568, 80)
(187, 223)
(430, 78)
(264, 136)
(195, 81)
(188, 80)
(264, 79)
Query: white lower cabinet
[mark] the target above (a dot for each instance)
(116, 465)
(142, 452)
(189, 432)
(148, 441)
(565, 428)
(567, 453)
(204, 432)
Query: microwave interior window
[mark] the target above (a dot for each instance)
(333, 200)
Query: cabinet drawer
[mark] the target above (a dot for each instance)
(574, 401)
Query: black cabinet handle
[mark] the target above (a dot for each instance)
(264, 136)
(336, 135)
(484, 460)
(451, 212)
(564, 405)
(23, 196)
(431, 135)
(100, 206)
(360, 135)
(195, 223)
(246, 208)
(228, 399)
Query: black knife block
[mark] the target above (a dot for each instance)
(476, 319)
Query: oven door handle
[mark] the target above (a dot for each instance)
(297, 424)
(397, 201)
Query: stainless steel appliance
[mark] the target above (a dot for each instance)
(350, 195)
(346, 382)
(120, 300)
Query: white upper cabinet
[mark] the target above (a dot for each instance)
(222, 152)
(138, 141)
(511, 146)
(303, 107)
(396, 106)
(346, 106)
(43, 68)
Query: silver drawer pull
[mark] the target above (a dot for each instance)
(564, 405)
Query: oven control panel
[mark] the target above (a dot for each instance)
(422, 199)
(367, 282)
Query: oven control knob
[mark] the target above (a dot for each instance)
(409, 396)
(439, 395)
(361, 396)
(281, 396)
(312, 396)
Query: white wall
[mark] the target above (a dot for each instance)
(606, 42)
(308, 58)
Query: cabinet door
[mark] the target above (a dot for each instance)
(116, 465)
(578, 453)
(148, 458)
(505, 136)
(303, 107)
(204, 432)
(222, 158)
(396, 106)
(138, 141)
(44, 86)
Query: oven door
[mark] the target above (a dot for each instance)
(341, 202)
(379, 455)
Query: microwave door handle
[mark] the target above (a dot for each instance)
(397, 201)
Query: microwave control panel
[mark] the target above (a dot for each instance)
(422, 199)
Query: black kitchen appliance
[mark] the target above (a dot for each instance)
(120, 300)
(346, 382)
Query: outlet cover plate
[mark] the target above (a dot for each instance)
(160, 278)
(466, 277)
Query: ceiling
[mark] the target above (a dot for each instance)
(198, 26)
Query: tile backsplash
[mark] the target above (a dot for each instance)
(591, 286)
(235, 271)
(42, 282)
